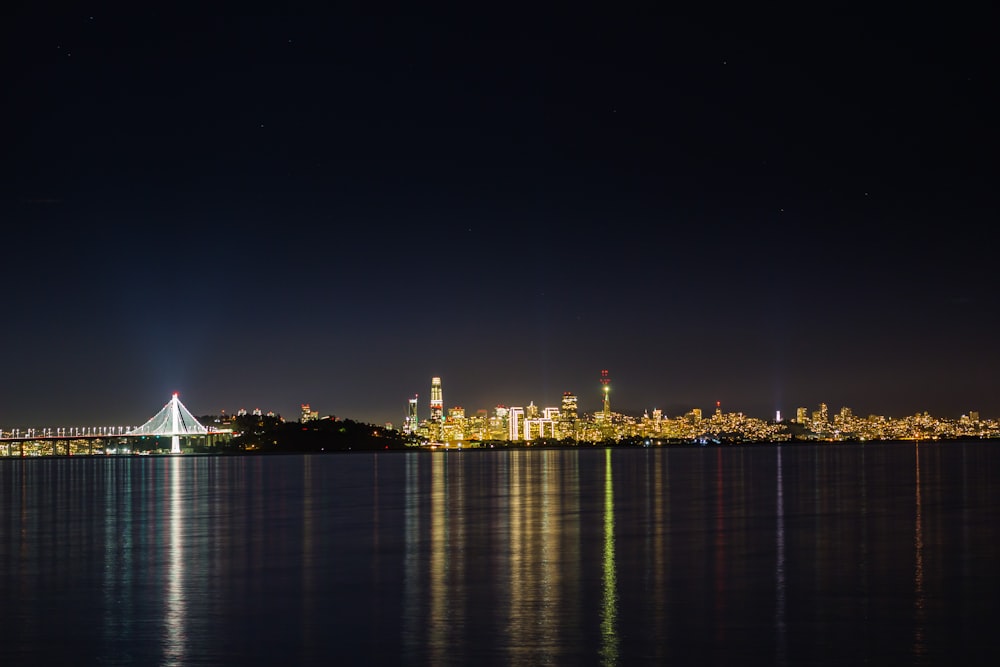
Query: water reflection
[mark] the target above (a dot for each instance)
(550, 613)
(411, 554)
(175, 618)
(779, 569)
(824, 555)
(119, 556)
(437, 621)
(721, 575)
(566, 532)
(520, 591)
(920, 599)
(658, 500)
(457, 548)
(309, 563)
(609, 579)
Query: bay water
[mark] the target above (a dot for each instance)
(828, 554)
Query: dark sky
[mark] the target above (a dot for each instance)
(770, 211)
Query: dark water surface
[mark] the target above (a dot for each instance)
(833, 554)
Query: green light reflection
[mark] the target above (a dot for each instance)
(609, 608)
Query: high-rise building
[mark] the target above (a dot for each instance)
(437, 401)
(801, 415)
(568, 409)
(308, 414)
(568, 415)
(498, 423)
(515, 416)
(412, 421)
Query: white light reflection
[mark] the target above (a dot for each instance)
(411, 568)
(119, 561)
(176, 607)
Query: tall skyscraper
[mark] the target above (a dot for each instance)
(412, 421)
(568, 410)
(437, 401)
(568, 415)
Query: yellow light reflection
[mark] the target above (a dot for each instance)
(551, 611)
(660, 530)
(521, 622)
(437, 622)
(609, 608)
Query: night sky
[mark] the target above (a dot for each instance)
(770, 211)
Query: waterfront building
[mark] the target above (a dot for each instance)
(515, 417)
(568, 416)
(498, 428)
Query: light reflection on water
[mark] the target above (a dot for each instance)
(609, 577)
(176, 611)
(780, 555)
(919, 595)
(779, 568)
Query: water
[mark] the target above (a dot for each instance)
(825, 555)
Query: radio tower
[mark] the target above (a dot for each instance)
(606, 388)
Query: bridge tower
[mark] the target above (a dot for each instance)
(173, 420)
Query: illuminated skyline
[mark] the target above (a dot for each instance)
(414, 418)
(767, 211)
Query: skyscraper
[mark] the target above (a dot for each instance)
(515, 417)
(437, 401)
(568, 410)
(411, 416)
(568, 415)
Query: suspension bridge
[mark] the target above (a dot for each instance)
(173, 421)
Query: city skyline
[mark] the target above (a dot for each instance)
(436, 408)
(261, 211)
